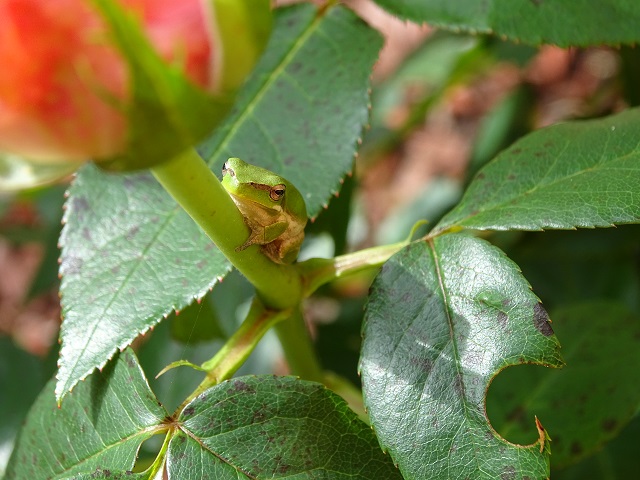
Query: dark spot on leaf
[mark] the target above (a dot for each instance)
(508, 473)
(576, 448)
(458, 385)
(188, 411)
(282, 467)
(424, 364)
(511, 177)
(503, 318)
(541, 320)
(295, 67)
(212, 424)
(131, 362)
(536, 2)
(86, 234)
(241, 387)
(79, 204)
(516, 151)
(609, 424)
(259, 416)
(201, 264)
(480, 176)
(132, 233)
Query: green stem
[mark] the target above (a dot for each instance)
(318, 271)
(238, 348)
(191, 183)
(158, 463)
(298, 349)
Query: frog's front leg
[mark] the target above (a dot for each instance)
(262, 235)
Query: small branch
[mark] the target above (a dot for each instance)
(238, 348)
(318, 271)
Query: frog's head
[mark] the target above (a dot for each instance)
(251, 184)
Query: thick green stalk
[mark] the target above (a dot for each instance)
(191, 183)
(298, 349)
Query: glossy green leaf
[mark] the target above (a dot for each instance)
(100, 425)
(302, 113)
(130, 255)
(274, 427)
(576, 174)
(561, 22)
(443, 318)
(590, 400)
(124, 266)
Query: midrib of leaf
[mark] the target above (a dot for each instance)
(456, 354)
(541, 186)
(193, 436)
(271, 78)
(118, 291)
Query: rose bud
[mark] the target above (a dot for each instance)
(91, 79)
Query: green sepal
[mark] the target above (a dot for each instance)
(166, 113)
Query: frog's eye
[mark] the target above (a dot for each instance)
(277, 192)
(227, 170)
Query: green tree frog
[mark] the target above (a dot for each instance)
(272, 207)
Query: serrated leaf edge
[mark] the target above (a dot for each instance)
(62, 390)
